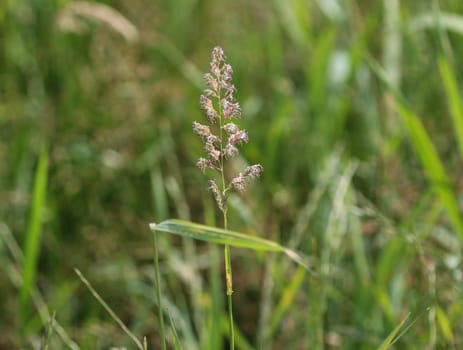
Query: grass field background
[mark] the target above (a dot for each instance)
(354, 110)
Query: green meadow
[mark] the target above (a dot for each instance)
(352, 236)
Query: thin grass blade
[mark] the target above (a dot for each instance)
(454, 99)
(225, 237)
(432, 165)
(109, 310)
(391, 338)
(177, 344)
(287, 299)
(445, 325)
(34, 233)
(427, 153)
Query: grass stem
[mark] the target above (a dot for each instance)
(157, 274)
(229, 281)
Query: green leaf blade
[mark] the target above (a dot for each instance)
(432, 165)
(225, 237)
(216, 235)
(453, 99)
(426, 152)
(34, 234)
(391, 338)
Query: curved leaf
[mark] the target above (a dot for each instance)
(225, 237)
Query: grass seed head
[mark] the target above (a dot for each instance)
(219, 106)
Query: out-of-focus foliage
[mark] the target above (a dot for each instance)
(108, 90)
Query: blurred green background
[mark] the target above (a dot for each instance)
(352, 107)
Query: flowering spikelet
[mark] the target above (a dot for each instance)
(250, 173)
(201, 130)
(219, 197)
(219, 105)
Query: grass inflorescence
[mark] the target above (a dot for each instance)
(221, 90)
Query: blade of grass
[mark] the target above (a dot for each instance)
(445, 325)
(177, 344)
(432, 165)
(287, 299)
(33, 234)
(426, 152)
(108, 309)
(225, 237)
(454, 99)
(394, 336)
(391, 338)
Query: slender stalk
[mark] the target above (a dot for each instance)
(228, 267)
(229, 280)
(158, 291)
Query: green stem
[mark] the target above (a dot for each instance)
(229, 281)
(157, 274)
(228, 267)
